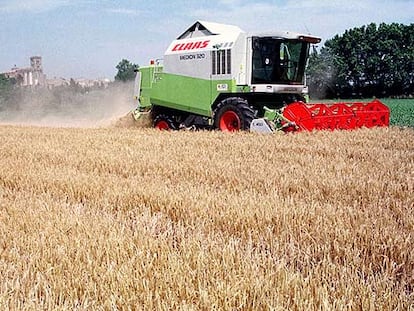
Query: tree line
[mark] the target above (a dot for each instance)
(365, 62)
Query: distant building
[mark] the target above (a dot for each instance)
(88, 83)
(56, 82)
(32, 76)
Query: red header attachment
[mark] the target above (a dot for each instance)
(344, 116)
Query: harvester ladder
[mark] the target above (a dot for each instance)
(158, 69)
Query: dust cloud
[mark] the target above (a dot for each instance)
(71, 107)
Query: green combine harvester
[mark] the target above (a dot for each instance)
(216, 76)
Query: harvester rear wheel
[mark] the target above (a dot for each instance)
(164, 122)
(233, 114)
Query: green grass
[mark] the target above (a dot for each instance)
(402, 111)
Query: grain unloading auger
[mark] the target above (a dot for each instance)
(217, 76)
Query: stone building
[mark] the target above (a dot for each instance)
(32, 76)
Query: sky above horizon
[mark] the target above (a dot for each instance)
(88, 38)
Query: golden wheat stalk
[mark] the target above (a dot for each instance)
(141, 219)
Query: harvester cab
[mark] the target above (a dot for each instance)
(218, 76)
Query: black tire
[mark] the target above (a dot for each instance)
(233, 114)
(165, 122)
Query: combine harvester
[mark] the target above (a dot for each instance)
(216, 76)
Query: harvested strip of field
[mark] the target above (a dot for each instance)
(137, 218)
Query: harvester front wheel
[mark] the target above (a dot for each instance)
(164, 122)
(233, 114)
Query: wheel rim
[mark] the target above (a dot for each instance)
(230, 121)
(162, 125)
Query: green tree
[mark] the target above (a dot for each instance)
(6, 88)
(126, 71)
(366, 61)
(5, 83)
(322, 74)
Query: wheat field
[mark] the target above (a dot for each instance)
(138, 219)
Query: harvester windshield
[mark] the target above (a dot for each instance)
(279, 61)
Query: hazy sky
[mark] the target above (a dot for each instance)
(87, 38)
